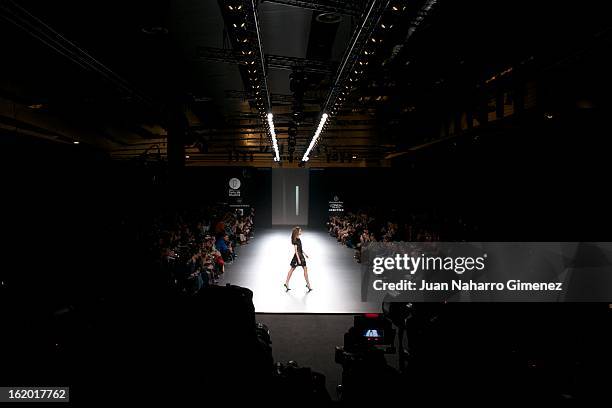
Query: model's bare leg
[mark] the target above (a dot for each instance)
(306, 277)
(289, 277)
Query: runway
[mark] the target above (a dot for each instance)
(335, 276)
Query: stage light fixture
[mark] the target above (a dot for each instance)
(350, 63)
(315, 137)
(273, 134)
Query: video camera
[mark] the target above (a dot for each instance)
(363, 359)
(371, 335)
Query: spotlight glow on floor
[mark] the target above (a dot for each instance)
(335, 276)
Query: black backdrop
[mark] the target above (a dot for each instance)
(358, 188)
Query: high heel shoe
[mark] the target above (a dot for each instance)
(309, 288)
(287, 288)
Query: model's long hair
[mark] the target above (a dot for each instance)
(294, 234)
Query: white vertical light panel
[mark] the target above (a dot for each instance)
(289, 185)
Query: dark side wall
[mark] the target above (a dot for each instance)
(534, 179)
(531, 179)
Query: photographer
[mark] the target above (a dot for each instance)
(364, 366)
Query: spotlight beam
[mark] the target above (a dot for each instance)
(356, 46)
(273, 135)
(349, 52)
(242, 21)
(261, 57)
(269, 116)
(315, 137)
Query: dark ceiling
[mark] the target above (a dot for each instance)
(112, 74)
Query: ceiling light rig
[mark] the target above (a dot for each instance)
(369, 34)
(422, 14)
(243, 25)
(315, 137)
(273, 135)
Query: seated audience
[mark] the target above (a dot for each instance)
(357, 229)
(189, 254)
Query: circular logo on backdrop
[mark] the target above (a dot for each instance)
(234, 183)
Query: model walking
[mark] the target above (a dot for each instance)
(299, 258)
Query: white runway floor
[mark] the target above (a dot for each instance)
(335, 276)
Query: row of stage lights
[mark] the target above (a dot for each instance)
(273, 135)
(315, 137)
(251, 52)
(356, 61)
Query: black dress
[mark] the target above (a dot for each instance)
(294, 261)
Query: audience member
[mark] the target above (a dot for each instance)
(190, 256)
